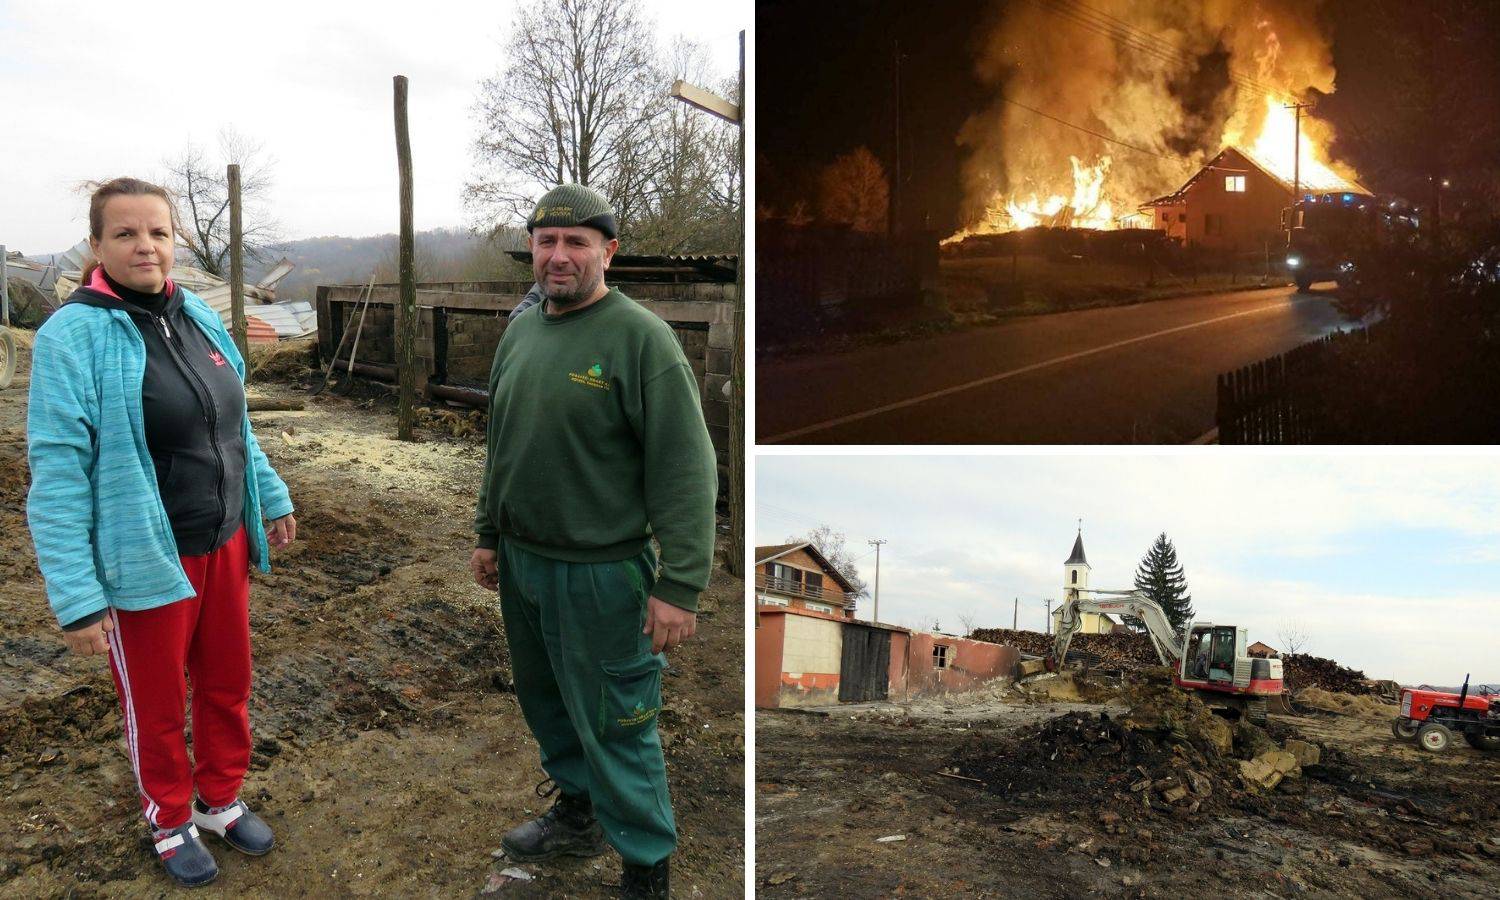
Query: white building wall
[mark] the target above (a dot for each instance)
(812, 645)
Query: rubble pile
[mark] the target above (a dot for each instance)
(1127, 652)
(1171, 760)
(1300, 670)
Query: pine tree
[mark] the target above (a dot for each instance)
(1160, 578)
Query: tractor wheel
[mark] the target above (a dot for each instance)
(1434, 737)
(7, 358)
(1404, 728)
(1488, 742)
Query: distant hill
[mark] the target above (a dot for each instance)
(443, 254)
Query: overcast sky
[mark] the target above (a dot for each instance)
(1389, 563)
(91, 90)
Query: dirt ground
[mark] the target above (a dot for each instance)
(389, 754)
(1010, 795)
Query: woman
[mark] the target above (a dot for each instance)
(147, 497)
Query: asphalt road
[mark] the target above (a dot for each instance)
(1118, 375)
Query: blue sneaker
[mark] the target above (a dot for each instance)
(237, 825)
(184, 856)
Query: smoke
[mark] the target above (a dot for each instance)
(1175, 88)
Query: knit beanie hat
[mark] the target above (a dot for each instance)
(573, 204)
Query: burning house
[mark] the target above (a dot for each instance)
(1236, 202)
(1209, 96)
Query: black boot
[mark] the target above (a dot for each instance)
(647, 881)
(568, 828)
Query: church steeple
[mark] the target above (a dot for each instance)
(1076, 569)
(1077, 558)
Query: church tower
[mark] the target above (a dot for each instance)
(1076, 569)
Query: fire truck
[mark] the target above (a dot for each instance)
(1432, 716)
(1322, 234)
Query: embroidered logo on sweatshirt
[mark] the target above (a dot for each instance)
(592, 378)
(217, 357)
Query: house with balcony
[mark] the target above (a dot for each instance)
(797, 576)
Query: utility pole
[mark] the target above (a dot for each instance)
(1015, 614)
(1296, 160)
(734, 113)
(875, 616)
(237, 268)
(896, 183)
(1048, 627)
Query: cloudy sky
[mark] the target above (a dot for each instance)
(92, 89)
(1389, 563)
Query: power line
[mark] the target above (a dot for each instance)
(1130, 37)
(1150, 43)
(1102, 137)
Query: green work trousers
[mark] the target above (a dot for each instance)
(590, 688)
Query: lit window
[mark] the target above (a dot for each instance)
(939, 656)
(1234, 184)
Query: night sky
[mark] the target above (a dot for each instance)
(1416, 90)
(826, 83)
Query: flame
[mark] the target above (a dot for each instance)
(1086, 208)
(1273, 149)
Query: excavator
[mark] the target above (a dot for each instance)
(1208, 659)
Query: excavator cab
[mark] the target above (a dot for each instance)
(1216, 655)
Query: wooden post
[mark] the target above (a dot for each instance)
(737, 546)
(406, 310)
(237, 267)
(5, 290)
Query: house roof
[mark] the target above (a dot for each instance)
(1177, 197)
(1077, 557)
(774, 551)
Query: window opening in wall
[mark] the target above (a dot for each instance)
(939, 656)
(1234, 184)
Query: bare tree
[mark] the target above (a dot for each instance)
(575, 103)
(966, 621)
(852, 191)
(1293, 637)
(200, 184)
(831, 544)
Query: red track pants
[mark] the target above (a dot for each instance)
(209, 636)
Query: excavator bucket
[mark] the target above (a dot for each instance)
(1281, 704)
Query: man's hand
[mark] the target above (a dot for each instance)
(668, 625)
(281, 532)
(89, 640)
(486, 568)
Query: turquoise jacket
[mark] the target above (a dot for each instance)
(96, 516)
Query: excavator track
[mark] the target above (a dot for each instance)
(1255, 711)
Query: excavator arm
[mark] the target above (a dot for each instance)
(1168, 644)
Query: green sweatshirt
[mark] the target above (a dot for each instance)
(596, 442)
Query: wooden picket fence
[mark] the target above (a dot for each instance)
(1280, 400)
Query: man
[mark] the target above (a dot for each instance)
(596, 443)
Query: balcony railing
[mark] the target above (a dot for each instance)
(792, 588)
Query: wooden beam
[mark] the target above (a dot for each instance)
(706, 100)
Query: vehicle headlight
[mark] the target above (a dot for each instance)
(1294, 261)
